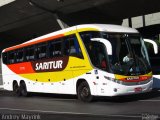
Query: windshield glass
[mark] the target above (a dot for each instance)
(129, 55)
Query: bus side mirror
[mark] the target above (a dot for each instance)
(155, 46)
(106, 43)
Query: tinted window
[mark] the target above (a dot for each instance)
(4, 58)
(30, 53)
(98, 55)
(19, 55)
(55, 48)
(41, 51)
(71, 47)
(11, 57)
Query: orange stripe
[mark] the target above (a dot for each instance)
(21, 68)
(34, 42)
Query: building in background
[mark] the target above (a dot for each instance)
(149, 26)
(145, 21)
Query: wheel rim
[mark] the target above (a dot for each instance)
(15, 88)
(23, 90)
(85, 92)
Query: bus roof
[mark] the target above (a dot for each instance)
(109, 28)
(61, 33)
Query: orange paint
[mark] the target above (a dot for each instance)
(21, 68)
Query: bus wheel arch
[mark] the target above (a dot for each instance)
(23, 88)
(16, 88)
(83, 91)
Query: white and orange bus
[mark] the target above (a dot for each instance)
(84, 60)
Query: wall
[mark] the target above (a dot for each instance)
(137, 22)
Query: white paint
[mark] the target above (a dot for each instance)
(109, 28)
(155, 46)
(106, 43)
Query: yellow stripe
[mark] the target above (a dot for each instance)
(87, 29)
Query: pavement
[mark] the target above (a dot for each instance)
(67, 107)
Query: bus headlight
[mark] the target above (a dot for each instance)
(113, 80)
(127, 83)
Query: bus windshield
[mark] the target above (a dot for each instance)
(128, 54)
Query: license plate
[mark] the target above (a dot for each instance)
(138, 89)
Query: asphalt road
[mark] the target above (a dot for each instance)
(63, 107)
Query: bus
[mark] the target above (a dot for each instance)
(154, 53)
(85, 60)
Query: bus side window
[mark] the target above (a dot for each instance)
(4, 58)
(55, 48)
(11, 57)
(72, 47)
(41, 51)
(66, 47)
(20, 55)
(30, 53)
(51, 49)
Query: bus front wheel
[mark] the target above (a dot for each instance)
(83, 92)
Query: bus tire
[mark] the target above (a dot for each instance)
(16, 89)
(23, 89)
(83, 92)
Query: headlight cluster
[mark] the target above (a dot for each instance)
(113, 80)
(127, 83)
